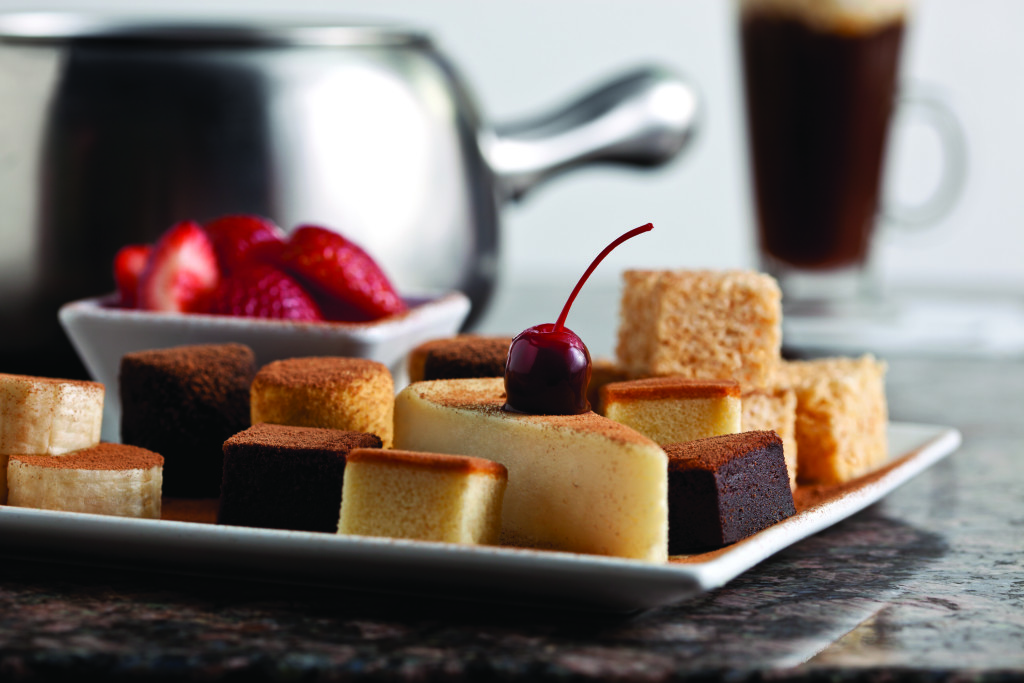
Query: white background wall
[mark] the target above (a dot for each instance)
(523, 56)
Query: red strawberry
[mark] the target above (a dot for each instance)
(129, 263)
(262, 291)
(335, 267)
(240, 240)
(181, 273)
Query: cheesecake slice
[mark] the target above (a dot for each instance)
(579, 483)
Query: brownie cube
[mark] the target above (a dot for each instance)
(182, 403)
(284, 477)
(460, 357)
(724, 488)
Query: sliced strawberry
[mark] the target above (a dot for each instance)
(241, 240)
(263, 291)
(129, 263)
(332, 266)
(181, 273)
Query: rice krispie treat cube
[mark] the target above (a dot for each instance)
(841, 416)
(701, 325)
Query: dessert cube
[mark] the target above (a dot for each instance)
(674, 409)
(351, 394)
(423, 496)
(283, 477)
(701, 325)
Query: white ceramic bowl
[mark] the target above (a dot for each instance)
(102, 335)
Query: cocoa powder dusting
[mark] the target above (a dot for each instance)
(464, 357)
(712, 452)
(105, 456)
(321, 372)
(284, 437)
(7, 377)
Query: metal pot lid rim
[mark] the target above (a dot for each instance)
(60, 27)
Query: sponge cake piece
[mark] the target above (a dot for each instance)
(674, 409)
(422, 496)
(580, 483)
(350, 394)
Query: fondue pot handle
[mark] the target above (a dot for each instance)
(642, 118)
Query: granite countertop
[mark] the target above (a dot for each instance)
(926, 585)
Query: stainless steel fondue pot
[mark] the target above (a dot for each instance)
(111, 130)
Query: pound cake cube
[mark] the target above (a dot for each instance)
(45, 416)
(283, 477)
(108, 479)
(674, 409)
(579, 483)
(773, 410)
(459, 357)
(700, 325)
(725, 488)
(183, 402)
(841, 417)
(423, 496)
(350, 394)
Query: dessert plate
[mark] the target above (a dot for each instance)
(438, 569)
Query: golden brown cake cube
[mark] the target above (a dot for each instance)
(422, 496)
(701, 325)
(352, 394)
(674, 409)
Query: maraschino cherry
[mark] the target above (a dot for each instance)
(548, 366)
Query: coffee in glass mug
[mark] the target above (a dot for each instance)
(821, 82)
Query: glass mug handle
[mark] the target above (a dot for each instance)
(935, 112)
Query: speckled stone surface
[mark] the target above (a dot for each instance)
(927, 585)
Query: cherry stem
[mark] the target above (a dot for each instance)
(600, 257)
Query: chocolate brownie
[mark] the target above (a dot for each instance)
(724, 488)
(182, 403)
(460, 357)
(283, 477)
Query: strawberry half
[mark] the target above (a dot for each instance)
(242, 240)
(334, 267)
(181, 273)
(262, 291)
(129, 262)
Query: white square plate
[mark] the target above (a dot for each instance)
(439, 569)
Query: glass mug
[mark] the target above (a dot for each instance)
(821, 89)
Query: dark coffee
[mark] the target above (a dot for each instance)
(819, 104)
